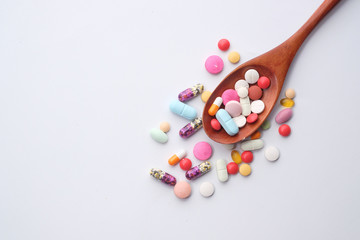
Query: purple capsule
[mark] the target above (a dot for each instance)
(163, 176)
(191, 128)
(190, 93)
(198, 171)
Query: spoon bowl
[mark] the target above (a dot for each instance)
(274, 65)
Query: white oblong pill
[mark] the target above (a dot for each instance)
(245, 105)
(251, 145)
(251, 76)
(257, 106)
(240, 121)
(221, 170)
(242, 92)
(241, 83)
(272, 153)
(207, 189)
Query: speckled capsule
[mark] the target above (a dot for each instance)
(190, 93)
(191, 128)
(198, 171)
(163, 176)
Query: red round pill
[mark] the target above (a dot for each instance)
(215, 124)
(247, 157)
(252, 118)
(255, 92)
(185, 164)
(284, 130)
(224, 44)
(263, 82)
(232, 168)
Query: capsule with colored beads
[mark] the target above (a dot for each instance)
(190, 93)
(198, 171)
(215, 106)
(174, 159)
(163, 176)
(191, 128)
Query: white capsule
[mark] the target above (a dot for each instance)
(245, 105)
(251, 76)
(272, 153)
(242, 92)
(251, 145)
(221, 170)
(257, 106)
(241, 83)
(240, 121)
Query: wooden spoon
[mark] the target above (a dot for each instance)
(274, 64)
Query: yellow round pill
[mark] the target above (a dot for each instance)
(287, 102)
(234, 57)
(245, 169)
(290, 93)
(236, 157)
(165, 127)
(205, 96)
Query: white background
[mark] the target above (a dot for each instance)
(83, 82)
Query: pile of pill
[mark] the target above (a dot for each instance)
(284, 115)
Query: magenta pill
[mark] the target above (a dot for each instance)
(214, 64)
(229, 95)
(284, 115)
(202, 151)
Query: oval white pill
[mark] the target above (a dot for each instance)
(242, 92)
(257, 106)
(245, 104)
(251, 145)
(241, 83)
(251, 76)
(207, 189)
(240, 121)
(272, 153)
(221, 170)
(229, 146)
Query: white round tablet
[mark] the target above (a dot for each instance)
(272, 153)
(257, 106)
(241, 83)
(240, 121)
(207, 189)
(251, 76)
(242, 92)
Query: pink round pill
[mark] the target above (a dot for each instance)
(202, 151)
(233, 108)
(214, 64)
(229, 95)
(182, 189)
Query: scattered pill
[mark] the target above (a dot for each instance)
(207, 189)
(290, 93)
(263, 82)
(214, 64)
(251, 76)
(228, 95)
(174, 159)
(234, 57)
(191, 128)
(205, 96)
(229, 146)
(287, 102)
(266, 124)
(165, 127)
(246, 107)
(182, 189)
(185, 164)
(215, 124)
(198, 171)
(272, 153)
(221, 170)
(247, 156)
(257, 106)
(242, 92)
(183, 110)
(251, 145)
(255, 92)
(190, 93)
(202, 151)
(241, 83)
(233, 108)
(284, 115)
(158, 135)
(253, 117)
(255, 135)
(227, 122)
(236, 157)
(215, 106)
(245, 169)
(223, 44)
(163, 176)
(240, 121)
(232, 168)
(284, 130)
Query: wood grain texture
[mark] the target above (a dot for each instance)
(273, 64)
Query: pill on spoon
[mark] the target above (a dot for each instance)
(251, 76)
(241, 83)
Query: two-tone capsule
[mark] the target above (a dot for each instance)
(215, 106)
(198, 171)
(174, 159)
(163, 176)
(191, 128)
(190, 93)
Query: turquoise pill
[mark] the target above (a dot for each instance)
(226, 122)
(183, 110)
